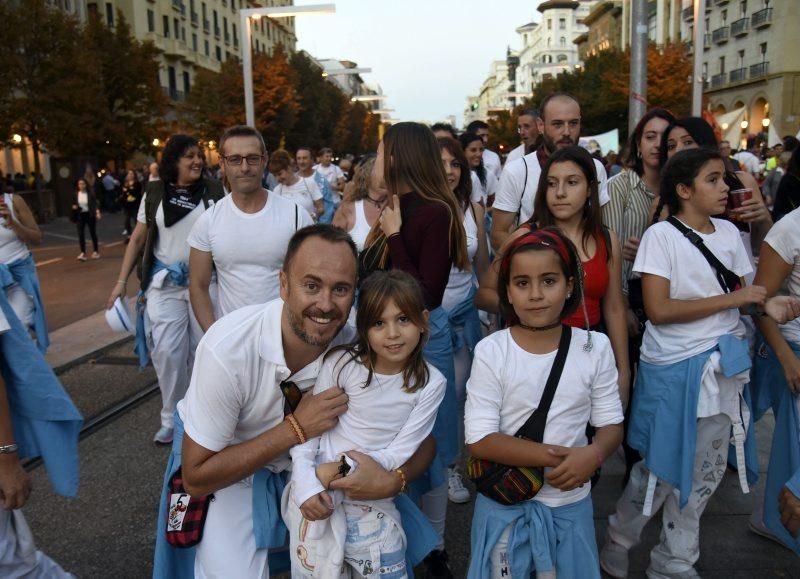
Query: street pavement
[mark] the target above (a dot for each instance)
(108, 530)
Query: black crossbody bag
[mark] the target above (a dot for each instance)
(729, 281)
(509, 485)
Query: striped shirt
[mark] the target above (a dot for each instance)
(627, 213)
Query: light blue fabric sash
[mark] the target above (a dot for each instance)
(542, 538)
(46, 422)
(328, 199)
(179, 276)
(466, 314)
(770, 390)
(23, 272)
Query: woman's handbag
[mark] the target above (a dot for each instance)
(509, 485)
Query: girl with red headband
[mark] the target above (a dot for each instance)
(547, 527)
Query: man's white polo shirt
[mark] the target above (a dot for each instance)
(516, 194)
(235, 395)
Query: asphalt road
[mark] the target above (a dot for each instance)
(72, 289)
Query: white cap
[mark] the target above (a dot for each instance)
(118, 318)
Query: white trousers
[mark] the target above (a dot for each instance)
(434, 506)
(174, 334)
(679, 547)
(19, 557)
(21, 303)
(228, 548)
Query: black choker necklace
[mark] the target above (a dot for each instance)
(377, 204)
(541, 328)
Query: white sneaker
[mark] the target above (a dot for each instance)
(81, 257)
(456, 491)
(95, 255)
(164, 435)
(690, 574)
(614, 559)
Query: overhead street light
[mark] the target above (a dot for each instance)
(248, 14)
(368, 98)
(382, 111)
(343, 71)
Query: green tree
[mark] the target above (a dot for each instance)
(132, 98)
(215, 102)
(274, 95)
(50, 94)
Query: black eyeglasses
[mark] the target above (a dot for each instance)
(291, 395)
(236, 160)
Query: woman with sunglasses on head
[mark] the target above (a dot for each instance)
(166, 329)
(459, 295)
(364, 200)
(421, 231)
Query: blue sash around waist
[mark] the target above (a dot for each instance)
(23, 272)
(465, 315)
(46, 422)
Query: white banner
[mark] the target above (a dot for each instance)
(604, 143)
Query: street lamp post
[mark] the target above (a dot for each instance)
(697, 69)
(247, 49)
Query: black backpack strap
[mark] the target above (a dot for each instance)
(524, 186)
(533, 429)
(296, 217)
(728, 280)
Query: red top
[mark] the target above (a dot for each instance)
(422, 248)
(595, 286)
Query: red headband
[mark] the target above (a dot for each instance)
(540, 238)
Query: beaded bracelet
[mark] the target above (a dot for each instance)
(298, 430)
(402, 479)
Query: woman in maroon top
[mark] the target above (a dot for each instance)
(421, 232)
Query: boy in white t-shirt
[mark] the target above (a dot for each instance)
(331, 172)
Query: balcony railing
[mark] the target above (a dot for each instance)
(740, 27)
(737, 75)
(195, 18)
(720, 35)
(174, 94)
(688, 13)
(761, 18)
(227, 37)
(759, 70)
(720, 2)
(718, 80)
(206, 25)
(216, 31)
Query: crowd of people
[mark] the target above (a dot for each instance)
(333, 343)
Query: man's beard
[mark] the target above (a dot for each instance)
(550, 145)
(297, 327)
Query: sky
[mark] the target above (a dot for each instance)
(427, 55)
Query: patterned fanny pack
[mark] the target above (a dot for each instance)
(509, 485)
(186, 515)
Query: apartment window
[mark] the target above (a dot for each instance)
(235, 35)
(562, 23)
(183, 33)
(722, 65)
(151, 21)
(763, 52)
(91, 7)
(204, 10)
(194, 42)
(741, 59)
(549, 23)
(172, 81)
(256, 44)
(186, 83)
(110, 13)
(207, 48)
(177, 29)
(724, 17)
(743, 8)
(219, 53)
(705, 70)
(562, 58)
(166, 26)
(562, 41)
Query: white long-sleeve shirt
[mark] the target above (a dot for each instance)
(382, 421)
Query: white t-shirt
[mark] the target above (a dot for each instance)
(665, 252)
(11, 247)
(304, 193)
(492, 162)
(248, 248)
(331, 173)
(460, 281)
(749, 161)
(507, 383)
(516, 194)
(516, 153)
(171, 246)
(234, 394)
(784, 238)
(479, 192)
(382, 420)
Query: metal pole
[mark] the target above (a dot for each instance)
(637, 101)
(247, 67)
(699, 47)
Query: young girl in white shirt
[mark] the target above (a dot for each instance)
(694, 365)
(394, 396)
(552, 532)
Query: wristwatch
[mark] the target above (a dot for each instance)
(8, 448)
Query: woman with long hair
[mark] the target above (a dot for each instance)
(364, 200)
(86, 213)
(484, 183)
(568, 198)
(166, 329)
(787, 196)
(421, 231)
(459, 295)
(131, 198)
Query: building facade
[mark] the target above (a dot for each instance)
(494, 94)
(604, 29)
(749, 64)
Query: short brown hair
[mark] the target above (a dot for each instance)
(279, 161)
(241, 131)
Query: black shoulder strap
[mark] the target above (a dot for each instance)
(296, 217)
(728, 280)
(524, 186)
(533, 429)
(155, 192)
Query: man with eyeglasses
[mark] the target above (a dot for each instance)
(243, 236)
(559, 126)
(528, 133)
(243, 412)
